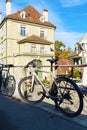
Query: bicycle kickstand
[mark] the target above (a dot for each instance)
(56, 104)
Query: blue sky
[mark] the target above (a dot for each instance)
(69, 16)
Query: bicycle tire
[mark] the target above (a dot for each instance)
(28, 95)
(10, 85)
(71, 98)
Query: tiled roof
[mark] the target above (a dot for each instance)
(75, 54)
(63, 70)
(32, 16)
(35, 39)
(65, 62)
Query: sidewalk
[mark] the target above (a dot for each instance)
(48, 105)
(15, 115)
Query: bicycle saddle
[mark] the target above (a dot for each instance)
(53, 60)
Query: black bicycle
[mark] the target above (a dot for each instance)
(7, 81)
(63, 91)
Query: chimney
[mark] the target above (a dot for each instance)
(8, 7)
(45, 14)
(0, 17)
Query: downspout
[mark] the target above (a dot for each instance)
(6, 41)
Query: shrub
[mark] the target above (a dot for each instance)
(76, 74)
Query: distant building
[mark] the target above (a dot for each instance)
(80, 47)
(79, 56)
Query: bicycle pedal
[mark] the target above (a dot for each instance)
(44, 94)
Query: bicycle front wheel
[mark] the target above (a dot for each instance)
(30, 92)
(10, 85)
(70, 97)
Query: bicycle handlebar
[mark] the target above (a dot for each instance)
(30, 63)
(52, 60)
(6, 66)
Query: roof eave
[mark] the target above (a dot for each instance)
(30, 22)
(21, 42)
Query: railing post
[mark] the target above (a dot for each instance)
(0, 76)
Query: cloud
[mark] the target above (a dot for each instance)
(68, 38)
(70, 3)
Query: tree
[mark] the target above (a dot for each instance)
(60, 50)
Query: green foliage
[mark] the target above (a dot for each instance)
(60, 50)
(76, 74)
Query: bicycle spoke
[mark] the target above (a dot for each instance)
(28, 92)
(71, 101)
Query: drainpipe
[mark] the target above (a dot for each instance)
(6, 41)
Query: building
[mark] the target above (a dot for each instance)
(25, 35)
(83, 43)
(79, 57)
(79, 53)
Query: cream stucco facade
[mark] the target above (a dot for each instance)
(10, 35)
(12, 31)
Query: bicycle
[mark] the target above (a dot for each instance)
(8, 82)
(64, 92)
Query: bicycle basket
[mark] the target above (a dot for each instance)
(37, 63)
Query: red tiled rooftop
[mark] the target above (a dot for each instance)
(32, 16)
(75, 53)
(35, 39)
(63, 70)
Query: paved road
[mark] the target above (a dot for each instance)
(16, 115)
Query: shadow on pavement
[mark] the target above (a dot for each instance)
(4, 122)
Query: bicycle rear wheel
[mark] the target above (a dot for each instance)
(28, 92)
(71, 98)
(10, 85)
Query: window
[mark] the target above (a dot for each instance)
(42, 49)
(42, 19)
(33, 48)
(83, 45)
(23, 14)
(42, 33)
(23, 30)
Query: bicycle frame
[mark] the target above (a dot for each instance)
(63, 91)
(35, 76)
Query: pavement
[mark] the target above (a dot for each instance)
(48, 106)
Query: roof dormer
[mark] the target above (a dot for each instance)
(42, 18)
(23, 14)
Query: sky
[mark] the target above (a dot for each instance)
(69, 16)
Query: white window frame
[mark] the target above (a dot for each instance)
(23, 30)
(42, 33)
(23, 14)
(42, 47)
(33, 48)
